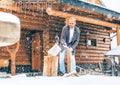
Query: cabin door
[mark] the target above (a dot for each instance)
(36, 52)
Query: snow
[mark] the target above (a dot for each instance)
(8, 17)
(21, 79)
(114, 40)
(112, 4)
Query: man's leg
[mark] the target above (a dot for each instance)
(73, 62)
(62, 63)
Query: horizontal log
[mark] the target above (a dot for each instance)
(92, 58)
(102, 47)
(89, 62)
(94, 36)
(97, 36)
(4, 61)
(31, 27)
(81, 18)
(9, 6)
(23, 63)
(26, 58)
(98, 43)
(28, 20)
(91, 51)
(88, 54)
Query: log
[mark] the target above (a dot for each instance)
(50, 67)
(68, 61)
(12, 53)
(4, 61)
(56, 13)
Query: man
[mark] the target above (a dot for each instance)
(69, 39)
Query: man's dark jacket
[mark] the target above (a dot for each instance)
(65, 37)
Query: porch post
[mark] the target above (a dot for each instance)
(118, 39)
(118, 36)
(12, 53)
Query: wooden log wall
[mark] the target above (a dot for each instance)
(55, 25)
(89, 31)
(24, 53)
(83, 50)
(40, 21)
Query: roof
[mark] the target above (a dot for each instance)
(98, 2)
(113, 52)
(90, 6)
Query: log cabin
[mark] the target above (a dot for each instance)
(42, 19)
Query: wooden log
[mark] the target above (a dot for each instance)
(13, 57)
(81, 18)
(118, 39)
(4, 61)
(50, 67)
(68, 60)
(10, 5)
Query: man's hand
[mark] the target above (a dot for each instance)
(71, 49)
(65, 46)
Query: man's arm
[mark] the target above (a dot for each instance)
(62, 39)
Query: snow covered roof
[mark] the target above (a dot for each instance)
(8, 17)
(93, 7)
(113, 52)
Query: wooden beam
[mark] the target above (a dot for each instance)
(82, 18)
(68, 60)
(13, 57)
(118, 38)
(9, 5)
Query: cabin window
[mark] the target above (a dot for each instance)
(92, 42)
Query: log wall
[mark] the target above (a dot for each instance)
(92, 32)
(83, 50)
(40, 21)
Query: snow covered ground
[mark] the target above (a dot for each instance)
(21, 79)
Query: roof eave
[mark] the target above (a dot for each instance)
(92, 7)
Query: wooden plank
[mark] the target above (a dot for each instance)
(36, 62)
(46, 66)
(46, 40)
(118, 39)
(50, 67)
(54, 66)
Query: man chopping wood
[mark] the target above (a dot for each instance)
(68, 42)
